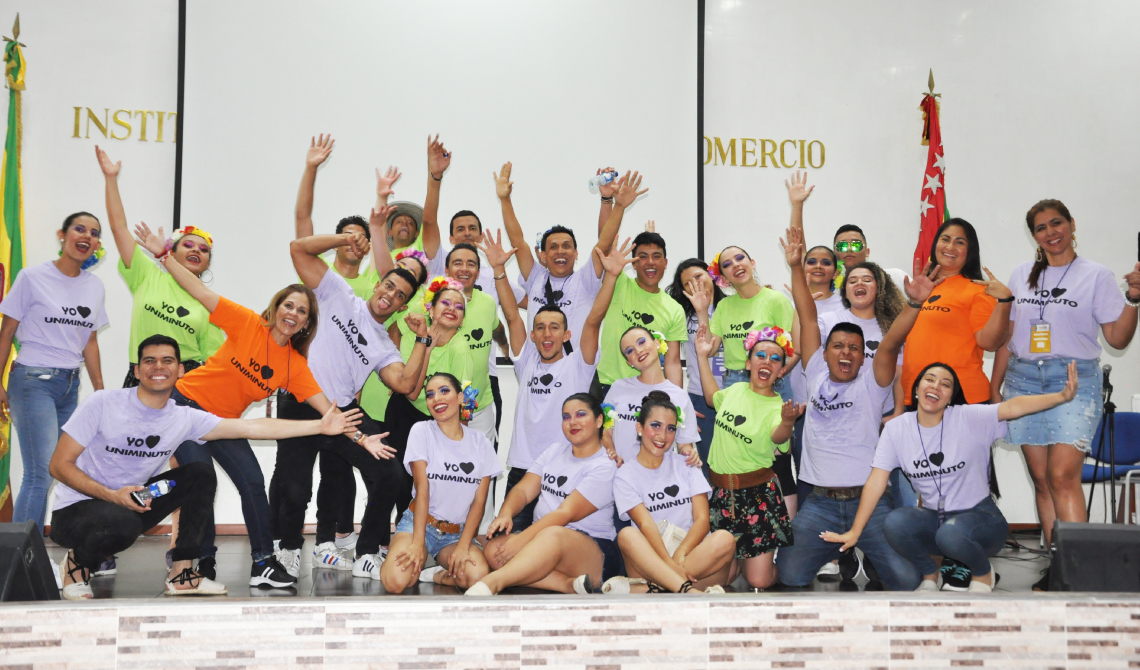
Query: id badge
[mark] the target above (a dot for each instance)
(717, 363)
(1040, 337)
(941, 512)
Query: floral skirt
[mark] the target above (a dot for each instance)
(756, 517)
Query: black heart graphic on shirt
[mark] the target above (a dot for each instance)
(546, 379)
(83, 311)
(673, 490)
(181, 311)
(557, 295)
(937, 458)
(561, 481)
(360, 338)
(746, 325)
(467, 467)
(933, 299)
(739, 420)
(647, 319)
(477, 334)
(266, 372)
(152, 441)
(1058, 292)
(477, 287)
(872, 345)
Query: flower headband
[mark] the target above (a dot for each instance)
(177, 236)
(91, 260)
(468, 404)
(439, 284)
(714, 272)
(770, 334)
(659, 338)
(609, 414)
(412, 253)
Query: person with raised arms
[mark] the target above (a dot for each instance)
(842, 423)
(452, 465)
(350, 344)
(118, 442)
(570, 546)
(548, 370)
(669, 546)
(554, 281)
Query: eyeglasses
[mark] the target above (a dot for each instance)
(765, 356)
(825, 262)
(854, 246)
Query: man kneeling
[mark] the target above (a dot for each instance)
(116, 443)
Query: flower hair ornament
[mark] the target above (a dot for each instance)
(440, 284)
(469, 402)
(770, 334)
(609, 416)
(840, 275)
(662, 345)
(177, 236)
(714, 272)
(680, 417)
(412, 253)
(93, 260)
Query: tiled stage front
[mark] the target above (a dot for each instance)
(808, 630)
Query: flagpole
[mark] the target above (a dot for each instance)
(932, 195)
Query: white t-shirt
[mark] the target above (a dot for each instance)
(593, 477)
(574, 294)
(57, 314)
(125, 442)
(841, 426)
(798, 381)
(951, 461)
(626, 396)
(667, 492)
(716, 362)
(349, 343)
(454, 469)
(872, 337)
(543, 387)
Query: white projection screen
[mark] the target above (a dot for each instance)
(558, 88)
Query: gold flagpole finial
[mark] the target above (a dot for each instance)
(16, 27)
(929, 81)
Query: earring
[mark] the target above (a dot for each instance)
(1040, 255)
(1074, 240)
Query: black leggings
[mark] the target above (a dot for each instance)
(294, 476)
(96, 529)
(400, 418)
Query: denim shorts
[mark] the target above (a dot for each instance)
(612, 563)
(1074, 422)
(434, 540)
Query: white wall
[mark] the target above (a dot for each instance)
(1036, 103)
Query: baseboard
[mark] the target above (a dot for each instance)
(1024, 526)
(219, 529)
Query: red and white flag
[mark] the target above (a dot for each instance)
(933, 210)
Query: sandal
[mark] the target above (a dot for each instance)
(686, 586)
(199, 585)
(653, 588)
(81, 588)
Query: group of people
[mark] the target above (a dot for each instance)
(810, 426)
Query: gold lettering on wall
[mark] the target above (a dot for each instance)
(142, 113)
(822, 154)
(121, 122)
(101, 126)
(803, 154)
(744, 151)
(766, 153)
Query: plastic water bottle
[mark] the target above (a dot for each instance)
(603, 179)
(159, 488)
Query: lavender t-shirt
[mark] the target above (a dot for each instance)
(691, 364)
(872, 337)
(667, 491)
(543, 387)
(797, 378)
(57, 315)
(626, 395)
(125, 442)
(841, 427)
(349, 343)
(574, 294)
(949, 462)
(1075, 306)
(593, 477)
(455, 469)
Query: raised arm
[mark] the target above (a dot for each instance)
(116, 216)
(810, 338)
(789, 412)
(319, 150)
(916, 292)
(607, 192)
(191, 284)
(798, 192)
(614, 263)
(306, 253)
(439, 159)
(996, 331)
(625, 195)
(378, 228)
(503, 188)
(492, 248)
(1015, 408)
(1119, 333)
(705, 344)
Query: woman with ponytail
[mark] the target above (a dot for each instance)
(1062, 303)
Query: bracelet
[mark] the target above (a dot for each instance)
(608, 199)
(502, 276)
(1130, 301)
(358, 437)
(1010, 299)
(439, 178)
(914, 305)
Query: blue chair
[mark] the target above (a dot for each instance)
(1127, 456)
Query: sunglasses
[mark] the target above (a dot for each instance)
(764, 356)
(845, 246)
(825, 262)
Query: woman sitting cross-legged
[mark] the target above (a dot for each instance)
(668, 500)
(452, 466)
(570, 545)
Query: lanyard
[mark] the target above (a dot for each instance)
(938, 478)
(1041, 314)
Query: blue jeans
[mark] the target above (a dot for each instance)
(902, 493)
(970, 536)
(237, 460)
(706, 425)
(798, 564)
(42, 400)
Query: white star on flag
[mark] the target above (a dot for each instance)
(923, 206)
(940, 162)
(932, 183)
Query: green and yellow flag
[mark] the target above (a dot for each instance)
(11, 225)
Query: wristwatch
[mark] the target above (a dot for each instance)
(1132, 302)
(358, 437)
(426, 341)
(916, 305)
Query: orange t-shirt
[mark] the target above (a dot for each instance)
(945, 333)
(247, 368)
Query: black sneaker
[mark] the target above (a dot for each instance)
(874, 582)
(268, 572)
(208, 568)
(955, 575)
(849, 565)
(1043, 583)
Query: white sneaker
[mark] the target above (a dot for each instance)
(620, 585)
(828, 569)
(327, 555)
(715, 588)
(347, 542)
(290, 559)
(55, 571)
(583, 585)
(979, 587)
(479, 589)
(927, 585)
(428, 575)
(368, 565)
(276, 546)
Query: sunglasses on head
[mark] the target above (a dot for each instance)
(845, 246)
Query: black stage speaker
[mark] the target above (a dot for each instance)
(25, 572)
(1095, 557)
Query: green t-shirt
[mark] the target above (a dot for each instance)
(162, 307)
(742, 436)
(455, 358)
(633, 306)
(735, 316)
(363, 284)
